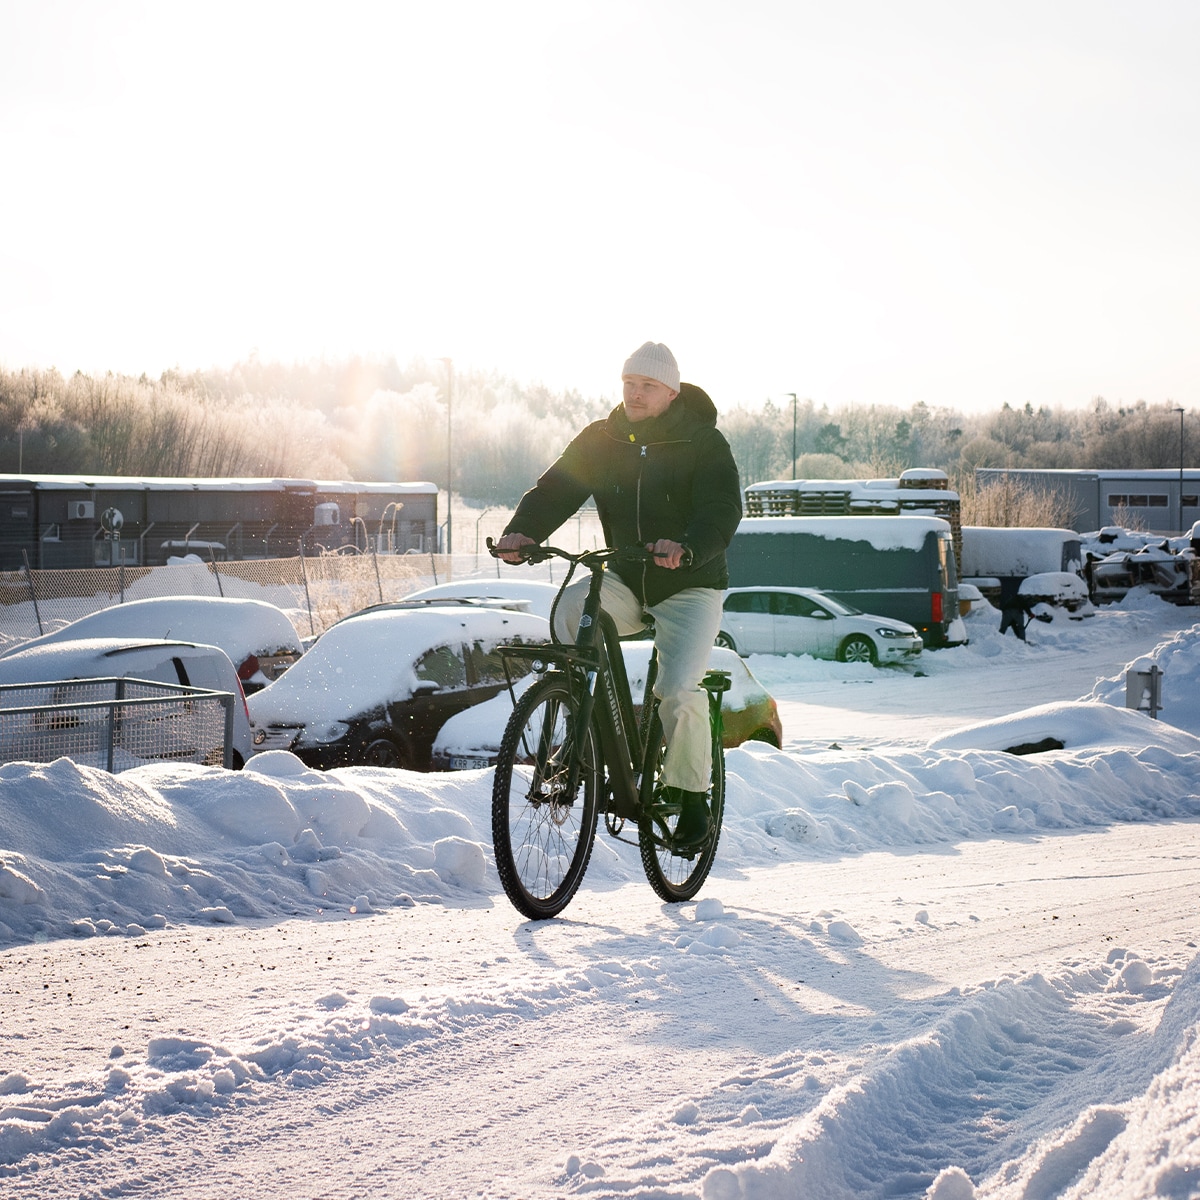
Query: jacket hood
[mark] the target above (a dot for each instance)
(690, 410)
(696, 401)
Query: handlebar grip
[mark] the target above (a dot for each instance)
(531, 552)
(685, 560)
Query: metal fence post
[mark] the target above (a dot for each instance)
(212, 558)
(227, 760)
(32, 593)
(307, 596)
(112, 722)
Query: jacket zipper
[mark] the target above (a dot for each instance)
(638, 505)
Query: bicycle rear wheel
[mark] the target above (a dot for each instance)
(542, 828)
(674, 876)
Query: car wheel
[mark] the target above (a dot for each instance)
(724, 640)
(857, 649)
(382, 752)
(764, 735)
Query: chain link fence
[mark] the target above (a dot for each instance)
(314, 591)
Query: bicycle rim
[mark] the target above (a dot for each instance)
(542, 833)
(673, 876)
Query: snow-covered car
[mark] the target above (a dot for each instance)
(1062, 590)
(259, 638)
(799, 620)
(157, 660)
(537, 597)
(375, 689)
(748, 713)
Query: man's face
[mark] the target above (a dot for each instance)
(646, 397)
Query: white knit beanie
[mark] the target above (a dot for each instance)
(654, 361)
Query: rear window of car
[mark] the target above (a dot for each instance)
(487, 664)
(748, 602)
(442, 665)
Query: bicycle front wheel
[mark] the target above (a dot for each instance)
(672, 875)
(543, 824)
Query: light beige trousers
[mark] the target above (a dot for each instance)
(685, 627)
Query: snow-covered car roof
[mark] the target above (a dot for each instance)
(239, 627)
(90, 658)
(1054, 583)
(368, 660)
(540, 596)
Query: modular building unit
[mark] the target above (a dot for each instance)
(1162, 501)
(56, 521)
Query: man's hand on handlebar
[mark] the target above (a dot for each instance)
(509, 546)
(669, 554)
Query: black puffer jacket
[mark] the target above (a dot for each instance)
(671, 476)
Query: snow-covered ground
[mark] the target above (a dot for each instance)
(922, 965)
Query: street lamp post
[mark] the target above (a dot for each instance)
(793, 396)
(1180, 412)
(449, 454)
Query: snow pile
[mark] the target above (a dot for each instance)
(85, 852)
(1179, 660)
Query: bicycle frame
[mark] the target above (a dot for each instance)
(595, 669)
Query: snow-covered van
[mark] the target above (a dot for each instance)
(997, 560)
(901, 567)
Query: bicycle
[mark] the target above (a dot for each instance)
(573, 748)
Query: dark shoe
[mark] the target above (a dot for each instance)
(693, 828)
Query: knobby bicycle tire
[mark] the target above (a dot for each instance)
(676, 877)
(542, 835)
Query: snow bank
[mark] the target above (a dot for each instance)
(82, 851)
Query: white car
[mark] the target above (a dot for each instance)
(259, 638)
(799, 620)
(161, 733)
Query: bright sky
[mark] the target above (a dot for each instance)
(860, 202)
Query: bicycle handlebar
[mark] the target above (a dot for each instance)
(537, 553)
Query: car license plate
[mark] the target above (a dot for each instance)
(461, 763)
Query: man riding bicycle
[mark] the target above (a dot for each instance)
(663, 477)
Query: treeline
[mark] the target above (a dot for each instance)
(374, 419)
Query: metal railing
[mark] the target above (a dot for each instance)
(115, 723)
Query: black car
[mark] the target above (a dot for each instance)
(375, 689)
